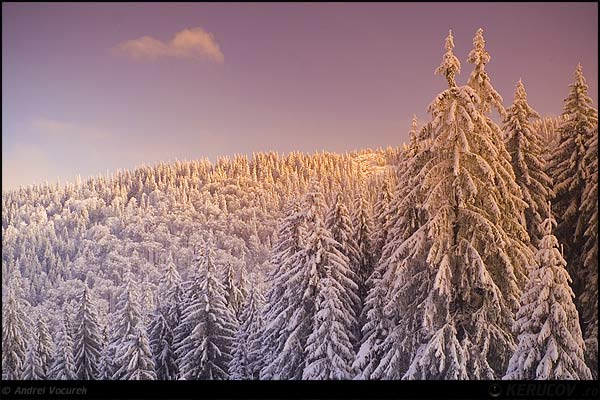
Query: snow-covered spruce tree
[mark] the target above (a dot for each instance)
(329, 349)
(468, 313)
(567, 169)
(363, 234)
(127, 318)
(589, 295)
(105, 364)
(287, 253)
(233, 295)
(63, 365)
(87, 340)
(339, 223)
(381, 215)
(550, 345)
(15, 329)
(32, 367)
(46, 345)
(164, 321)
(247, 345)
(479, 79)
(207, 351)
(135, 358)
(403, 280)
(523, 145)
(320, 253)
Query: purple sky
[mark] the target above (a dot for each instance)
(80, 93)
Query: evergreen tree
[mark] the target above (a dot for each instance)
(247, 345)
(127, 318)
(525, 150)
(363, 232)
(105, 364)
(233, 295)
(135, 358)
(567, 169)
(207, 351)
(87, 341)
(63, 365)
(479, 79)
(46, 345)
(165, 319)
(286, 254)
(15, 329)
(32, 367)
(329, 349)
(470, 304)
(589, 295)
(550, 345)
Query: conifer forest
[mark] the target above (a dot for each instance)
(468, 253)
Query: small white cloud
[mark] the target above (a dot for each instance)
(193, 43)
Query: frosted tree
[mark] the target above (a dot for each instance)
(363, 233)
(46, 345)
(329, 348)
(247, 345)
(523, 145)
(206, 352)
(32, 367)
(127, 317)
(164, 321)
(105, 364)
(87, 340)
(381, 215)
(339, 223)
(550, 345)
(15, 329)
(63, 365)
(394, 309)
(135, 357)
(568, 171)
(233, 295)
(589, 295)
(286, 254)
(475, 290)
(479, 79)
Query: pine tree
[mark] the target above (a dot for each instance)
(550, 345)
(567, 169)
(46, 346)
(339, 223)
(165, 319)
(127, 316)
(479, 79)
(15, 329)
(105, 364)
(470, 304)
(207, 351)
(87, 340)
(363, 232)
(329, 349)
(287, 253)
(233, 295)
(32, 367)
(63, 365)
(524, 147)
(589, 295)
(247, 345)
(135, 357)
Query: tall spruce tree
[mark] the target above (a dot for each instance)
(589, 295)
(475, 290)
(15, 329)
(550, 345)
(568, 171)
(523, 145)
(207, 351)
(134, 359)
(63, 365)
(87, 340)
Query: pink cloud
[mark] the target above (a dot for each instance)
(194, 43)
